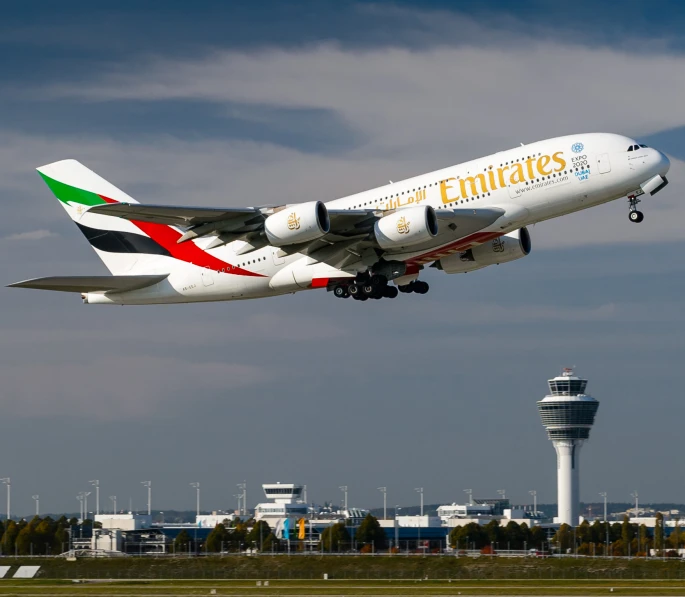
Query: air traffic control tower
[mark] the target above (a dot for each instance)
(568, 415)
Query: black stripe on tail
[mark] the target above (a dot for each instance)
(116, 241)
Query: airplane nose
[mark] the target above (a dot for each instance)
(663, 163)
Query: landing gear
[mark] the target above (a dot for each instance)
(416, 286)
(376, 287)
(633, 213)
(390, 292)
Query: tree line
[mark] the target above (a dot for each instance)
(38, 536)
(619, 538)
(599, 538)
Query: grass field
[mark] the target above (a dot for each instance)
(348, 576)
(341, 588)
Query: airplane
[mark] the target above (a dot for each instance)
(370, 245)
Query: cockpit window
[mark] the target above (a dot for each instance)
(631, 148)
(643, 146)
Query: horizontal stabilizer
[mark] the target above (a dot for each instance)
(90, 283)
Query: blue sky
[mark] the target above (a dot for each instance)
(237, 104)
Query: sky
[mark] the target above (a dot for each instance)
(233, 104)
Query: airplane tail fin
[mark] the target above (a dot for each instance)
(122, 246)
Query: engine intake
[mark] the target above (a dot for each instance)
(298, 223)
(406, 227)
(503, 249)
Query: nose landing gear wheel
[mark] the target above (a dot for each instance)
(636, 216)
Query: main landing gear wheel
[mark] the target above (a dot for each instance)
(636, 216)
(340, 292)
(416, 286)
(353, 290)
(390, 292)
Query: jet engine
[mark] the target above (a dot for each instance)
(503, 249)
(298, 223)
(406, 227)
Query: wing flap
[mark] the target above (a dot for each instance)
(90, 283)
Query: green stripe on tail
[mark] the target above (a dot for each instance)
(69, 194)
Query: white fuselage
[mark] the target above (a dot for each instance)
(531, 183)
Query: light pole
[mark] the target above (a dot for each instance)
(79, 497)
(343, 488)
(470, 494)
(85, 503)
(397, 528)
(96, 483)
(37, 498)
(148, 484)
(385, 501)
(420, 490)
(114, 503)
(196, 485)
(634, 494)
(606, 524)
(243, 486)
(7, 482)
(534, 493)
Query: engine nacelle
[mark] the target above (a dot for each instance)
(406, 227)
(298, 223)
(506, 248)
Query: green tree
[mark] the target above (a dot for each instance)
(615, 531)
(564, 538)
(538, 538)
(371, 533)
(271, 543)
(216, 538)
(626, 534)
(26, 539)
(584, 533)
(183, 542)
(470, 536)
(643, 542)
(9, 537)
(60, 540)
(259, 531)
(335, 538)
(44, 536)
(494, 532)
(674, 540)
(512, 536)
(659, 532)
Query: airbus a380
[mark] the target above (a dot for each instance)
(366, 246)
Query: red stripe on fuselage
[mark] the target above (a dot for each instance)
(188, 251)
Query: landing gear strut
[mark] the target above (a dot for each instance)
(633, 214)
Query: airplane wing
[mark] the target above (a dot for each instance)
(353, 227)
(90, 283)
(173, 215)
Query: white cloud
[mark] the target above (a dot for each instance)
(30, 235)
(418, 109)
